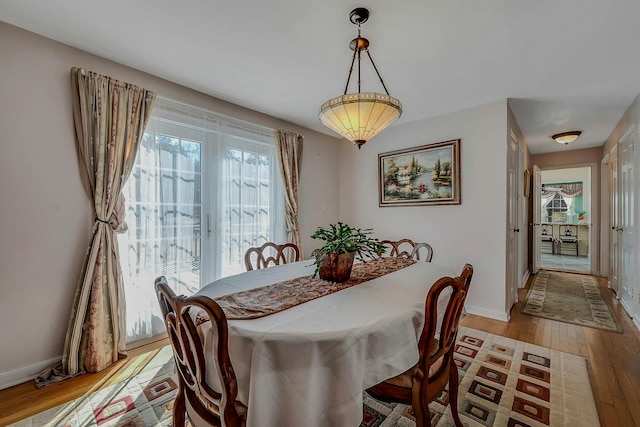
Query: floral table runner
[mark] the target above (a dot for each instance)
(280, 296)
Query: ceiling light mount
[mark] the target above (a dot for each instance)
(360, 116)
(359, 15)
(566, 137)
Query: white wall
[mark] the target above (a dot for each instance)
(45, 215)
(472, 232)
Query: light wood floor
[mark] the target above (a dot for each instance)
(24, 400)
(614, 365)
(613, 358)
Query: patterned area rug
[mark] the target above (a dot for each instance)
(503, 382)
(570, 298)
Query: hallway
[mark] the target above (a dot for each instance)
(566, 262)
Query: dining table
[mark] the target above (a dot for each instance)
(309, 364)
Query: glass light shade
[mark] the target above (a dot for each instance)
(566, 137)
(359, 117)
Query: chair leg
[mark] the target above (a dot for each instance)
(453, 393)
(421, 411)
(179, 408)
(423, 419)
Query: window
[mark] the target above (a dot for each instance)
(561, 201)
(204, 188)
(556, 210)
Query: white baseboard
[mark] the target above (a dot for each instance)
(524, 279)
(492, 314)
(636, 321)
(26, 373)
(627, 308)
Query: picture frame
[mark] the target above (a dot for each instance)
(527, 183)
(424, 175)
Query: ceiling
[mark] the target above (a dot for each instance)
(565, 64)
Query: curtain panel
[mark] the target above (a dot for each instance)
(289, 145)
(565, 190)
(110, 117)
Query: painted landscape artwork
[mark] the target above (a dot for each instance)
(429, 174)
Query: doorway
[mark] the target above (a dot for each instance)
(564, 207)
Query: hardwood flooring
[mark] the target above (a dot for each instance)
(25, 400)
(614, 365)
(613, 358)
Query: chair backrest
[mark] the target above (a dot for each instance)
(188, 350)
(424, 382)
(407, 248)
(270, 253)
(544, 229)
(569, 230)
(434, 344)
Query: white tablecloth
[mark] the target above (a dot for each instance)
(308, 365)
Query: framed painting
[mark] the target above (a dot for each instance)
(424, 175)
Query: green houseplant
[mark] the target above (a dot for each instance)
(342, 244)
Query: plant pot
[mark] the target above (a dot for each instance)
(336, 267)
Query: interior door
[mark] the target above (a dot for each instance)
(523, 267)
(537, 207)
(614, 248)
(626, 228)
(513, 229)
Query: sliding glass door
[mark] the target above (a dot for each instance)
(198, 197)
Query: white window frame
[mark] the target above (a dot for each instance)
(215, 132)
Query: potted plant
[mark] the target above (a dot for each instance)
(343, 244)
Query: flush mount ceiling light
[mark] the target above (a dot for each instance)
(566, 137)
(360, 116)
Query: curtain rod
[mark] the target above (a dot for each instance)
(202, 113)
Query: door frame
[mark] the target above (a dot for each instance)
(613, 223)
(536, 219)
(512, 222)
(594, 214)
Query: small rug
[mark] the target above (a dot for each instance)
(570, 298)
(503, 382)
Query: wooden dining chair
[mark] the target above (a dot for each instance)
(270, 253)
(196, 398)
(397, 249)
(425, 382)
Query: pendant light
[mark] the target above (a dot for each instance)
(360, 116)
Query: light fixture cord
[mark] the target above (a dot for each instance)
(353, 60)
(377, 72)
(357, 52)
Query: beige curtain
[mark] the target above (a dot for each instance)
(289, 146)
(110, 117)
